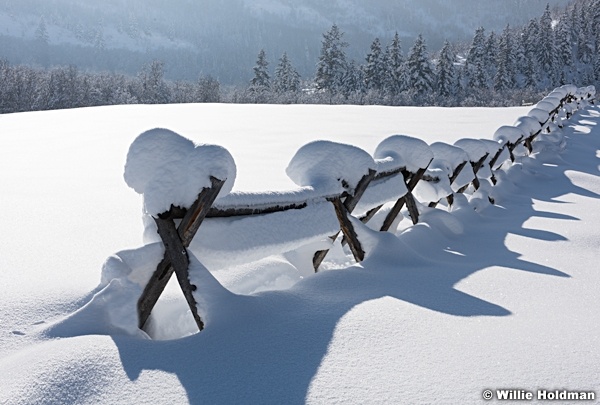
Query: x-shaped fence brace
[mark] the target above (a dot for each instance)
(342, 210)
(176, 240)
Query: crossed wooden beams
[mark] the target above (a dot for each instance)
(176, 240)
(342, 209)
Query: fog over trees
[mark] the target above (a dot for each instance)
(507, 66)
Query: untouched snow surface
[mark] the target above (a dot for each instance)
(481, 296)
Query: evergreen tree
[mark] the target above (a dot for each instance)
(585, 48)
(491, 54)
(394, 66)
(420, 74)
(564, 41)
(262, 80)
(446, 71)
(519, 52)
(505, 75)
(332, 64)
(595, 7)
(475, 63)
(529, 38)
(287, 78)
(546, 44)
(154, 90)
(374, 68)
(353, 82)
(530, 75)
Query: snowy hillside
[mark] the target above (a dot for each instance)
(222, 38)
(475, 297)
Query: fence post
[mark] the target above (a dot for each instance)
(348, 230)
(185, 233)
(349, 203)
(412, 206)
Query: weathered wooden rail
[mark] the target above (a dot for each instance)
(469, 155)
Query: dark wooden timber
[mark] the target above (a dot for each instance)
(529, 141)
(511, 147)
(350, 203)
(177, 254)
(493, 162)
(476, 166)
(411, 205)
(216, 212)
(348, 230)
(186, 230)
(410, 186)
(452, 178)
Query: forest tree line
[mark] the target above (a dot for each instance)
(508, 68)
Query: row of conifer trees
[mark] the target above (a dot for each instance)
(507, 68)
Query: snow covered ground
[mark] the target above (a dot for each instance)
(502, 297)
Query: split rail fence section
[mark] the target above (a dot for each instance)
(443, 170)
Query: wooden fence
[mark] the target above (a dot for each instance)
(469, 157)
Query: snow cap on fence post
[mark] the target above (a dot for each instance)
(402, 151)
(168, 169)
(329, 167)
(509, 134)
(548, 104)
(571, 89)
(528, 124)
(539, 114)
(474, 148)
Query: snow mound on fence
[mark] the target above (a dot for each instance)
(449, 158)
(168, 169)
(529, 125)
(548, 104)
(474, 148)
(405, 151)
(325, 165)
(509, 134)
(539, 114)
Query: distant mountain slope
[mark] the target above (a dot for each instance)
(223, 38)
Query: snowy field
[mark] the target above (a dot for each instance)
(505, 296)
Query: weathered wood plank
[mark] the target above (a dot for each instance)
(411, 205)
(348, 230)
(475, 166)
(529, 141)
(186, 230)
(215, 212)
(393, 214)
(350, 203)
(410, 185)
(457, 171)
(178, 256)
(493, 162)
(452, 178)
(197, 212)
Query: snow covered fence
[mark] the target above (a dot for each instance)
(184, 184)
